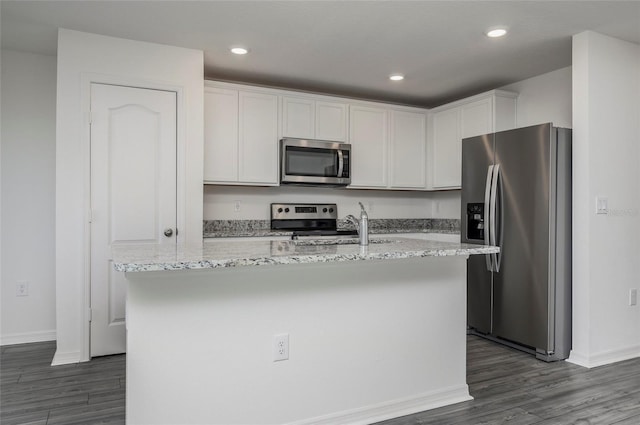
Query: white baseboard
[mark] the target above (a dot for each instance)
(604, 357)
(69, 357)
(27, 337)
(393, 409)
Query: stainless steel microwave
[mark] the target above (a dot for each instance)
(315, 162)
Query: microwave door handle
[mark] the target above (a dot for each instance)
(340, 163)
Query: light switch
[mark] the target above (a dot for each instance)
(602, 205)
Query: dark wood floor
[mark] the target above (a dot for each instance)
(509, 387)
(35, 393)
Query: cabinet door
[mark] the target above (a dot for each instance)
(447, 149)
(298, 118)
(407, 149)
(258, 138)
(369, 140)
(220, 135)
(476, 118)
(332, 121)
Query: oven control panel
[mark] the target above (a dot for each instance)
(304, 211)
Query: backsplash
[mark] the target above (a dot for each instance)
(231, 228)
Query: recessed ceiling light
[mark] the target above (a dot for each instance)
(496, 32)
(396, 77)
(239, 50)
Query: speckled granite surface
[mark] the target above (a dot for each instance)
(220, 253)
(235, 228)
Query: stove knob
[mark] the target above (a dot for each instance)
(330, 210)
(279, 210)
(286, 210)
(324, 210)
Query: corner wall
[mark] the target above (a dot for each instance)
(606, 159)
(28, 197)
(83, 58)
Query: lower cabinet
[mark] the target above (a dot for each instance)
(485, 113)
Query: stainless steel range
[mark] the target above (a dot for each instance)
(307, 219)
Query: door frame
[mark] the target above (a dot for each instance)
(87, 79)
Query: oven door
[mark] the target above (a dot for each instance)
(314, 162)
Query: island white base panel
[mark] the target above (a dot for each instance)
(368, 341)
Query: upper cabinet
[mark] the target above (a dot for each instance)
(220, 135)
(477, 115)
(388, 147)
(407, 149)
(393, 147)
(258, 138)
(241, 136)
(369, 138)
(310, 118)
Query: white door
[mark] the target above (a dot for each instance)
(133, 194)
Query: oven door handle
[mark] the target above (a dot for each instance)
(340, 163)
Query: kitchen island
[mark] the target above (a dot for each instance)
(373, 332)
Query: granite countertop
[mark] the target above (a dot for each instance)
(220, 253)
(262, 228)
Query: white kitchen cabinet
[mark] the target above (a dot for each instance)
(369, 138)
(446, 148)
(481, 114)
(310, 118)
(388, 147)
(241, 136)
(407, 149)
(221, 135)
(258, 138)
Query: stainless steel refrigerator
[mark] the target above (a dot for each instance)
(516, 194)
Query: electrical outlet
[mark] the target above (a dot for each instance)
(22, 289)
(633, 296)
(280, 347)
(236, 206)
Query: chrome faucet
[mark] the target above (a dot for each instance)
(362, 225)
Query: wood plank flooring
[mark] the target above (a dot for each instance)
(35, 393)
(509, 387)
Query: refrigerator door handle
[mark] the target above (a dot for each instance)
(492, 214)
(487, 217)
(500, 226)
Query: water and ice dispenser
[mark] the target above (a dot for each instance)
(475, 221)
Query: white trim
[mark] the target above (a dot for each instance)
(604, 357)
(28, 337)
(65, 358)
(394, 408)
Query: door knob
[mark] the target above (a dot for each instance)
(168, 232)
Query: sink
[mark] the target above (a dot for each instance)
(344, 241)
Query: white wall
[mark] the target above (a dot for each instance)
(606, 159)
(219, 201)
(28, 196)
(83, 58)
(544, 98)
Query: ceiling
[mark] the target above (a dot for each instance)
(346, 48)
